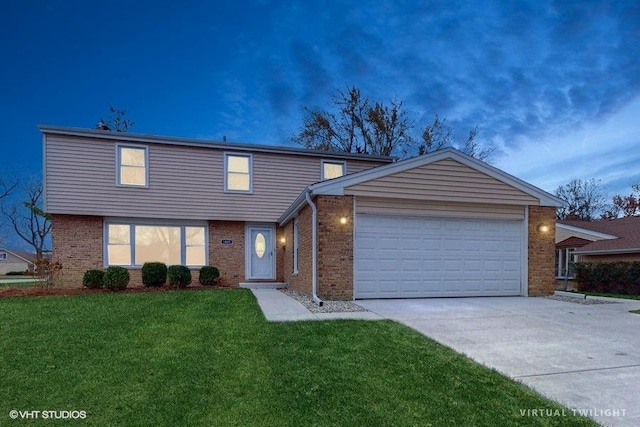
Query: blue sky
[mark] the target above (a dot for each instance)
(555, 84)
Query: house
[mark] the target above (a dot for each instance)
(334, 225)
(604, 240)
(15, 260)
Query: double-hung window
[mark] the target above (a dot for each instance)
(332, 169)
(565, 260)
(134, 243)
(132, 165)
(238, 173)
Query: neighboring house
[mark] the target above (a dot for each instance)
(343, 225)
(15, 260)
(591, 241)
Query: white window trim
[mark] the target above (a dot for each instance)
(132, 222)
(250, 157)
(332, 162)
(296, 245)
(564, 256)
(146, 165)
(3, 256)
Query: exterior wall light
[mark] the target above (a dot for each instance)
(283, 241)
(543, 228)
(343, 220)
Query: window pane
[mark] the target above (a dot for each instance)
(195, 255)
(333, 170)
(133, 175)
(119, 255)
(155, 243)
(238, 181)
(132, 156)
(238, 164)
(195, 236)
(118, 234)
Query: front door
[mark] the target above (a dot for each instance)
(260, 263)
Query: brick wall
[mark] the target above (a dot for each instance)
(300, 282)
(77, 244)
(228, 258)
(335, 247)
(541, 250)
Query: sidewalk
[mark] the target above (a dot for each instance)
(278, 307)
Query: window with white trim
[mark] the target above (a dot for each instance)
(132, 164)
(296, 241)
(332, 169)
(132, 244)
(565, 260)
(238, 173)
(3, 256)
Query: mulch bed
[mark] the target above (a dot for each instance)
(40, 291)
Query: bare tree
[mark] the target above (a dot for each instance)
(355, 124)
(28, 219)
(6, 188)
(624, 206)
(117, 121)
(584, 199)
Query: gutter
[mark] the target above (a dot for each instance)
(314, 249)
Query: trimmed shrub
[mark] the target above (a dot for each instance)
(116, 278)
(609, 277)
(179, 276)
(209, 276)
(93, 279)
(154, 274)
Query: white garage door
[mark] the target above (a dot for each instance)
(414, 257)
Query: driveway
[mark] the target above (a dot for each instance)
(584, 356)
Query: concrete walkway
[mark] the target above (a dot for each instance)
(278, 307)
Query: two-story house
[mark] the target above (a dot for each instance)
(338, 225)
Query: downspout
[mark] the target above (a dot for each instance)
(314, 249)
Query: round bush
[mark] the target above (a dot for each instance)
(154, 274)
(116, 278)
(179, 276)
(209, 276)
(93, 279)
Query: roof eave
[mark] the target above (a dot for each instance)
(608, 251)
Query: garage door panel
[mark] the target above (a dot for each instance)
(400, 257)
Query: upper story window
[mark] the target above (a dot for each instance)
(133, 165)
(333, 169)
(238, 173)
(3, 256)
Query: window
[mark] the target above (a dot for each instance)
(3, 256)
(565, 263)
(135, 244)
(332, 169)
(132, 166)
(237, 175)
(296, 240)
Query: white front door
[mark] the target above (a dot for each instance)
(260, 261)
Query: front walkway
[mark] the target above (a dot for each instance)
(278, 307)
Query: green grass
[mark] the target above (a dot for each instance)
(209, 358)
(27, 284)
(608, 295)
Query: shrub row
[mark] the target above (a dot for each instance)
(153, 274)
(610, 277)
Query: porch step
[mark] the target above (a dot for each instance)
(262, 285)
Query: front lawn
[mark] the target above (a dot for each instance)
(208, 358)
(609, 295)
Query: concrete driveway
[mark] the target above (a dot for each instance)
(584, 356)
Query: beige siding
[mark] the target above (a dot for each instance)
(445, 180)
(371, 205)
(184, 182)
(12, 263)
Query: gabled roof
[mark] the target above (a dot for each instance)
(190, 142)
(336, 186)
(23, 255)
(626, 232)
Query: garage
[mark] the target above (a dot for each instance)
(416, 257)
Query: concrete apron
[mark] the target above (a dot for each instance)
(584, 356)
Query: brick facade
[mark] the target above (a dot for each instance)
(228, 258)
(301, 281)
(77, 245)
(541, 250)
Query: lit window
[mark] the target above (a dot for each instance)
(238, 173)
(132, 166)
(135, 244)
(332, 170)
